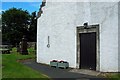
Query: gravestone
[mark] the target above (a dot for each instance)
(23, 46)
(18, 47)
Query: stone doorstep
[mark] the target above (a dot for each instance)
(84, 71)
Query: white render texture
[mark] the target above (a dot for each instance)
(59, 21)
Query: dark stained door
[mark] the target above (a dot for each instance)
(88, 50)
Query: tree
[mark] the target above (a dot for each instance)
(33, 27)
(14, 25)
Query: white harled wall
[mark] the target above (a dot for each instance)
(59, 21)
(106, 15)
(119, 36)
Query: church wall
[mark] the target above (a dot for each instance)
(59, 21)
(106, 15)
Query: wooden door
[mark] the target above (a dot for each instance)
(88, 50)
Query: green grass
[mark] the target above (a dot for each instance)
(114, 76)
(0, 65)
(14, 69)
(111, 76)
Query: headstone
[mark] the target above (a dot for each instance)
(23, 46)
(17, 47)
(35, 46)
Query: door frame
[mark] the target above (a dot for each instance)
(90, 29)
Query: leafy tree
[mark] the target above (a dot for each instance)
(33, 27)
(14, 25)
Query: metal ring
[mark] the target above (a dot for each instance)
(48, 45)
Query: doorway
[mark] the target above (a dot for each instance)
(88, 56)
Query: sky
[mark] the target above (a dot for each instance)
(20, 0)
(29, 6)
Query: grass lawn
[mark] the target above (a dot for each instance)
(13, 69)
(113, 76)
(0, 65)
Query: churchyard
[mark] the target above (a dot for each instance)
(12, 68)
(55, 42)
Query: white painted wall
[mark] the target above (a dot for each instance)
(105, 14)
(119, 36)
(59, 24)
(59, 21)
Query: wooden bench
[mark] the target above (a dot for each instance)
(5, 49)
